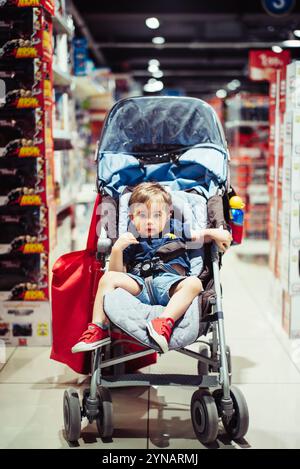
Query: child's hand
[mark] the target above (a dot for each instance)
(222, 238)
(125, 240)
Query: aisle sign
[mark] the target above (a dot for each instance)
(263, 62)
(278, 7)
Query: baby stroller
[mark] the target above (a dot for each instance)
(179, 143)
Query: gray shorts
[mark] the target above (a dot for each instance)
(161, 285)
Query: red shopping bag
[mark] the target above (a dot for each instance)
(74, 286)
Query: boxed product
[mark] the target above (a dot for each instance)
(27, 83)
(63, 179)
(25, 181)
(293, 85)
(26, 230)
(25, 324)
(23, 277)
(26, 132)
(291, 315)
(47, 4)
(25, 33)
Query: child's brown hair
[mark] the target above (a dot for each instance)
(146, 191)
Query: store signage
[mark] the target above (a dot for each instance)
(263, 62)
(278, 7)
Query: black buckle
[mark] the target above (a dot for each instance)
(149, 266)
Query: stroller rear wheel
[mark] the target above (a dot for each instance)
(72, 414)
(204, 416)
(104, 419)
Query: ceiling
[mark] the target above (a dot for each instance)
(207, 42)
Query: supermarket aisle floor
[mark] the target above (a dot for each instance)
(32, 386)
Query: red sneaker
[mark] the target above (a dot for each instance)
(91, 339)
(160, 330)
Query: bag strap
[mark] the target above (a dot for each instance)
(92, 240)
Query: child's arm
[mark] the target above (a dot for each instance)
(222, 237)
(116, 258)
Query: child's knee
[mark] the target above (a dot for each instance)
(194, 285)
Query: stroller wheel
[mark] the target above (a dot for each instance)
(104, 419)
(237, 426)
(72, 414)
(204, 416)
(203, 368)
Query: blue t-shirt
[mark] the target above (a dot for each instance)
(146, 249)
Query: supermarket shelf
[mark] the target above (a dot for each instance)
(87, 194)
(62, 140)
(61, 78)
(232, 124)
(61, 25)
(62, 208)
(85, 88)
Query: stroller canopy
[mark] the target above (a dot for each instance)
(176, 141)
(140, 124)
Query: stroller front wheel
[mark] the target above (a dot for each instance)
(204, 417)
(104, 419)
(72, 414)
(237, 426)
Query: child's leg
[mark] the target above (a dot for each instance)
(181, 296)
(109, 282)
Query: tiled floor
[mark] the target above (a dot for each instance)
(32, 386)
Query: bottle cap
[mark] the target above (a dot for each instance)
(236, 202)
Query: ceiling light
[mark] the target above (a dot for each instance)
(152, 23)
(233, 85)
(221, 93)
(154, 62)
(277, 49)
(153, 86)
(153, 68)
(158, 74)
(291, 43)
(158, 40)
(297, 32)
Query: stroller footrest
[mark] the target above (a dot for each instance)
(140, 379)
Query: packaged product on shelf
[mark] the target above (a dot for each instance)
(293, 85)
(23, 278)
(80, 49)
(25, 132)
(25, 323)
(291, 316)
(27, 230)
(61, 111)
(25, 182)
(26, 33)
(47, 4)
(63, 178)
(27, 83)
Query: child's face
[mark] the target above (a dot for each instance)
(150, 219)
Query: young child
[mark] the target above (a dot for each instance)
(149, 212)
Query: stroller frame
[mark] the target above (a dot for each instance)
(226, 402)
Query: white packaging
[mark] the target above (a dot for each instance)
(293, 85)
(291, 315)
(25, 323)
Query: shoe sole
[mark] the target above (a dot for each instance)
(159, 339)
(83, 347)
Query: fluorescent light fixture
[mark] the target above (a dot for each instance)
(297, 32)
(277, 49)
(158, 74)
(221, 93)
(153, 86)
(158, 40)
(152, 23)
(291, 43)
(154, 62)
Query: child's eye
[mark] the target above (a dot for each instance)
(157, 215)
